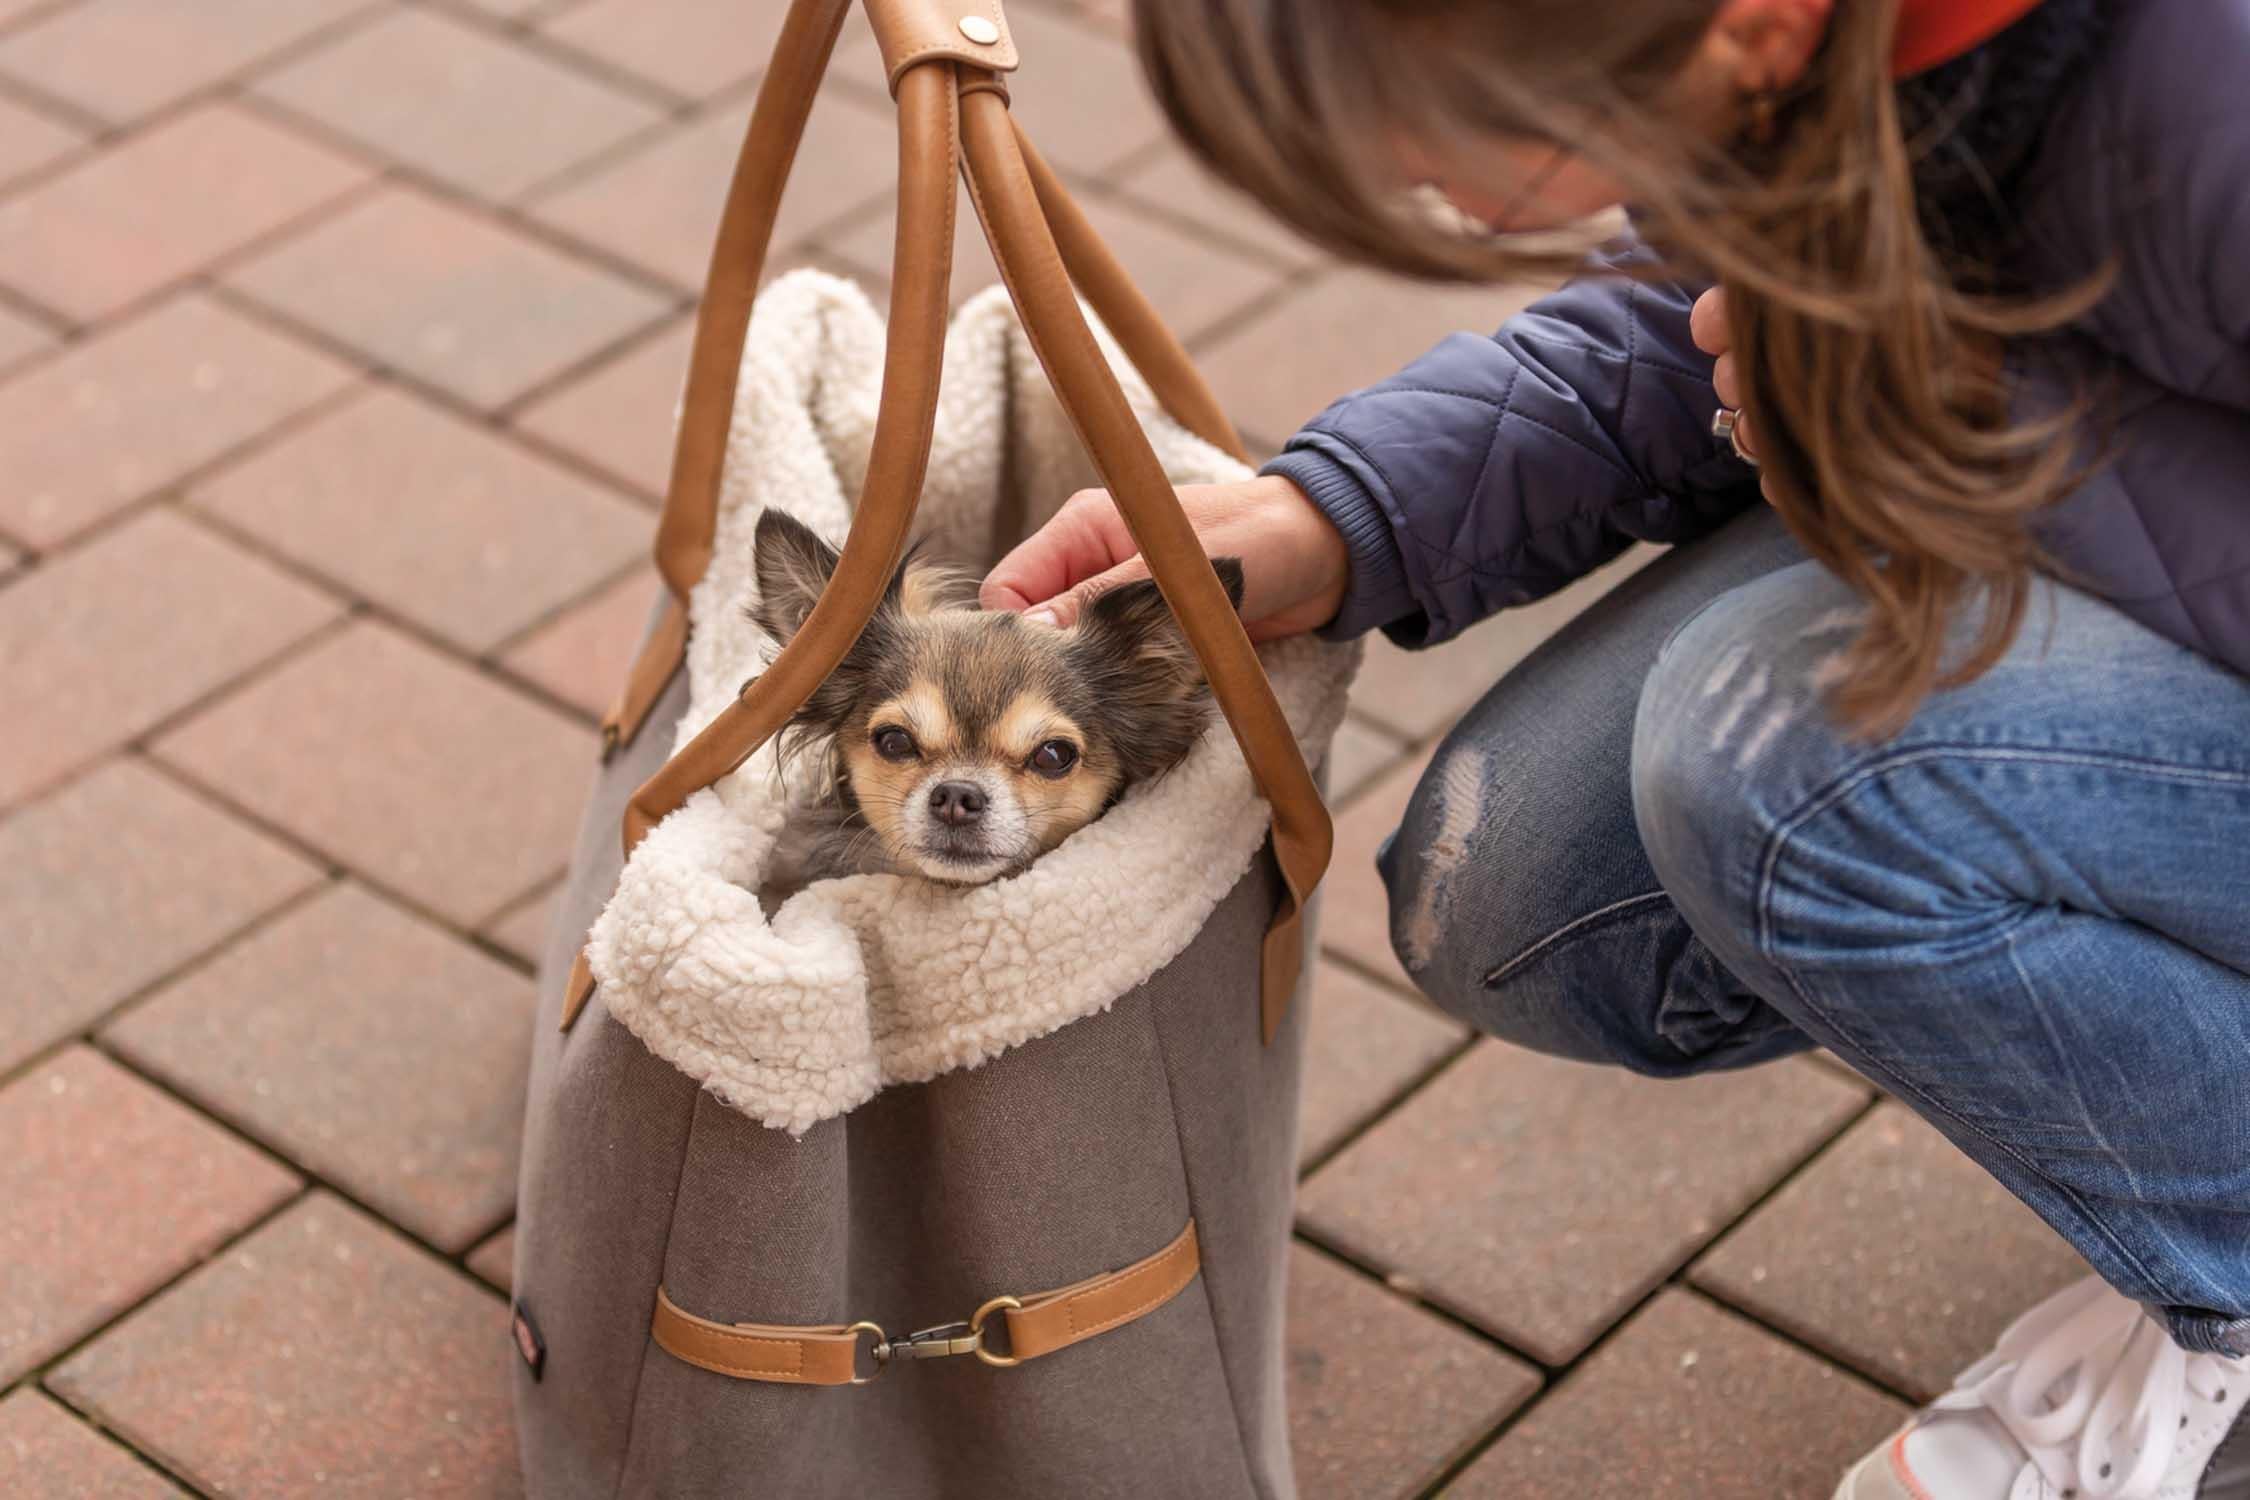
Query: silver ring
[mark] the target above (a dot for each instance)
(1724, 421)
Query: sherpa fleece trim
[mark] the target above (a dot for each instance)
(880, 979)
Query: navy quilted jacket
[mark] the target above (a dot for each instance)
(1494, 470)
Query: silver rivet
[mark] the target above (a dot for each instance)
(977, 29)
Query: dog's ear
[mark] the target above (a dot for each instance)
(1229, 570)
(792, 565)
(1129, 645)
(1132, 621)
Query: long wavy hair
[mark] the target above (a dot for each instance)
(1872, 368)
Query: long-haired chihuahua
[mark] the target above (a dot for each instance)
(960, 744)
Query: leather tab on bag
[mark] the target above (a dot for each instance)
(963, 31)
(756, 1351)
(578, 991)
(1056, 1320)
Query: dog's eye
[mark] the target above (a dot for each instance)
(894, 743)
(1055, 758)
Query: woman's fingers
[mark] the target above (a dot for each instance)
(1707, 322)
(1707, 325)
(1726, 379)
(1086, 539)
(1063, 610)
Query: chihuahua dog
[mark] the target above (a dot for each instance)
(960, 744)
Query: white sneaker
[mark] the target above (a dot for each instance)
(2084, 1398)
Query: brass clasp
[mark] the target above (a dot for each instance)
(937, 1343)
(941, 1342)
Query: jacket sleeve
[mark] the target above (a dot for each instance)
(1492, 471)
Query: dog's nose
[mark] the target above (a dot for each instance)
(959, 803)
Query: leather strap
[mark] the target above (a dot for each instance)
(951, 117)
(822, 1355)
(1058, 1319)
(827, 1354)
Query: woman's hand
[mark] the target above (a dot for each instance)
(1707, 325)
(1294, 563)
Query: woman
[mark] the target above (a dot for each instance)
(1964, 796)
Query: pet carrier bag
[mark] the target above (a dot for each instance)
(910, 1189)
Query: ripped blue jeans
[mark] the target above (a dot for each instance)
(2027, 916)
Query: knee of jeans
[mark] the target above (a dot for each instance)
(1732, 719)
(1430, 872)
(1486, 922)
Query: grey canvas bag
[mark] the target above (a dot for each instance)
(901, 1188)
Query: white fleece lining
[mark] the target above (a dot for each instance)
(879, 979)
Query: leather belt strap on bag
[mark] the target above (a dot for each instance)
(829, 1353)
(942, 58)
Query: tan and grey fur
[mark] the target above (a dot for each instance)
(961, 745)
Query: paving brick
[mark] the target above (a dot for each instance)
(30, 140)
(446, 296)
(21, 338)
(1365, 1048)
(422, 513)
(1693, 1403)
(659, 206)
(495, 1259)
(136, 408)
(1172, 183)
(1421, 693)
(1334, 334)
(1361, 751)
(122, 850)
(119, 59)
(488, 116)
(124, 222)
(108, 1189)
(44, 1450)
(1355, 913)
(1894, 1253)
(1541, 1199)
(430, 778)
(1440, 1389)
(321, 1356)
(1079, 92)
(1194, 283)
(582, 656)
(693, 48)
(106, 642)
(522, 928)
(377, 1052)
(620, 416)
(514, 10)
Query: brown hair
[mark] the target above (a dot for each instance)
(1872, 368)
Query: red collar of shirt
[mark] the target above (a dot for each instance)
(1935, 31)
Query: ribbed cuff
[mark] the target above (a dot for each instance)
(1378, 593)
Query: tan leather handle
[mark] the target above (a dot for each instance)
(1041, 242)
(685, 534)
(904, 420)
(1140, 330)
(1024, 246)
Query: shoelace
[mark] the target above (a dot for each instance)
(2087, 1378)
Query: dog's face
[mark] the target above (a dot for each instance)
(972, 743)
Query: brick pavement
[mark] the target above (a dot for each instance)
(338, 340)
